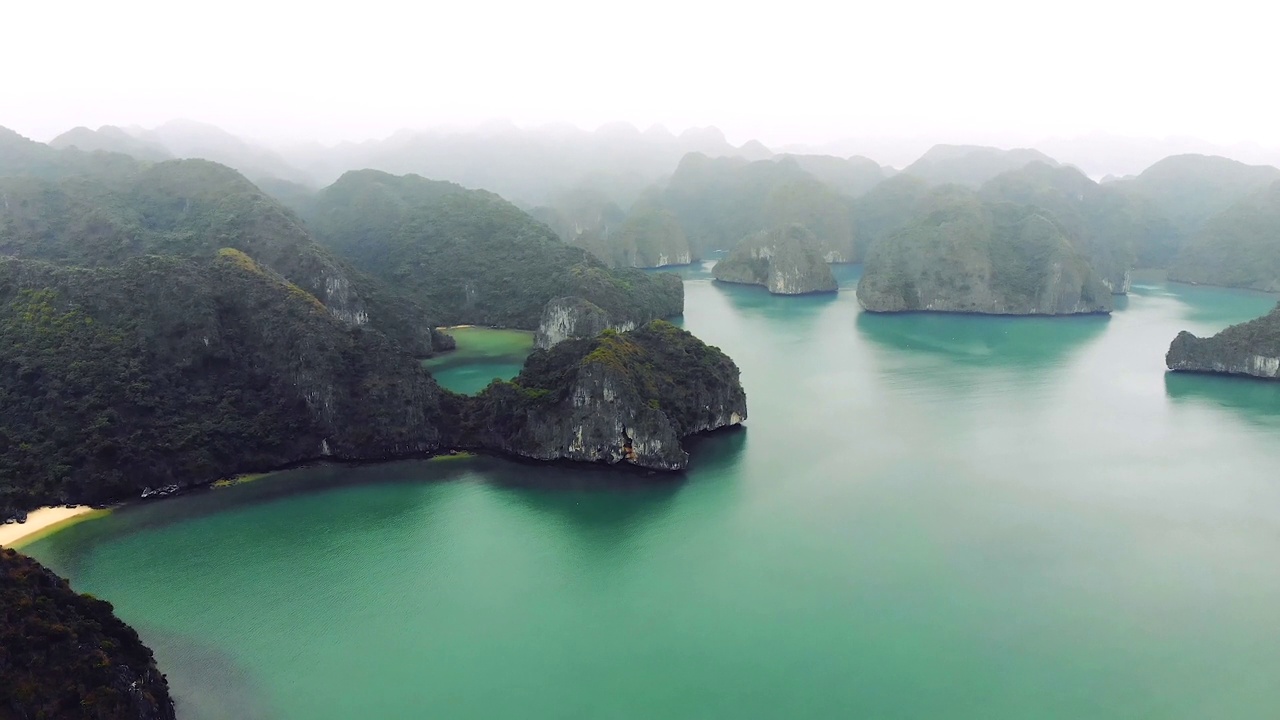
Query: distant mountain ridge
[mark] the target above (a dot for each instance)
(971, 165)
(525, 166)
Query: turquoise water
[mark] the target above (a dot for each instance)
(482, 356)
(925, 517)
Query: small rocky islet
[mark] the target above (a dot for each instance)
(786, 261)
(1251, 348)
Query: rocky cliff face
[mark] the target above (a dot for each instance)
(67, 656)
(1251, 348)
(787, 261)
(597, 302)
(617, 398)
(573, 317)
(963, 255)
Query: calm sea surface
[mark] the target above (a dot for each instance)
(926, 516)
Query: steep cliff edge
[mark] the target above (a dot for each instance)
(572, 317)
(786, 260)
(615, 398)
(964, 255)
(1251, 348)
(67, 656)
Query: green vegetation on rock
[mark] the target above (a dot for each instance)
(614, 398)
(194, 208)
(470, 256)
(1190, 189)
(1251, 348)
(964, 255)
(1239, 247)
(649, 237)
(66, 656)
(786, 260)
(1107, 224)
(887, 208)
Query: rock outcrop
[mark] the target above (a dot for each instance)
(65, 655)
(786, 260)
(1251, 348)
(1108, 225)
(618, 398)
(194, 208)
(572, 317)
(963, 255)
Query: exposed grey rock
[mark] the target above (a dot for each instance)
(573, 317)
(616, 398)
(1251, 348)
(786, 260)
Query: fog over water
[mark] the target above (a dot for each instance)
(886, 80)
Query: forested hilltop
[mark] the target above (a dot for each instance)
(1239, 247)
(967, 255)
(190, 208)
(166, 325)
(1251, 348)
(650, 199)
(473, 257)
(66, 656)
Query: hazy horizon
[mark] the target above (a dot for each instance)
(993, 73)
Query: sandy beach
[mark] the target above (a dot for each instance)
(40, 520)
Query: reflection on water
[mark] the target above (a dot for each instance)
(755, 300)
(1205, 305)
(1024, 342)
(1255, 400)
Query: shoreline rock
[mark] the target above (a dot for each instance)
(1249, 349)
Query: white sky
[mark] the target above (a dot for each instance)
(782, 72)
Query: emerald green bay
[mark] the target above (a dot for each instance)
(482, 355)
(926, 516)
